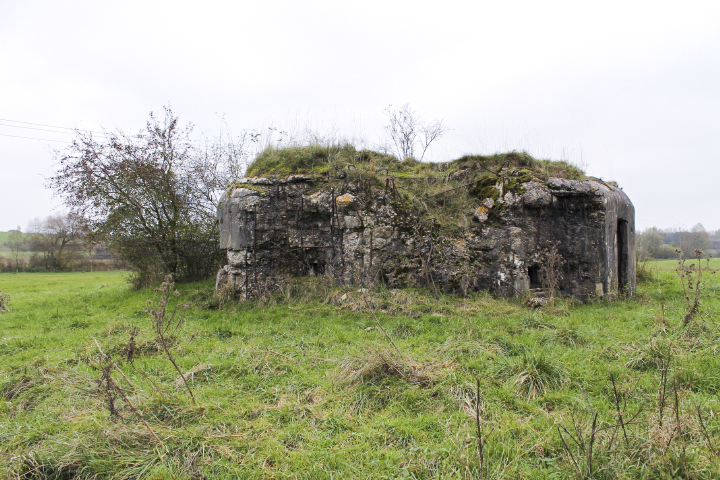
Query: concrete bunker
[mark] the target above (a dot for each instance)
(505, 223)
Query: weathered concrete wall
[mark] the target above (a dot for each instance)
(575, 235)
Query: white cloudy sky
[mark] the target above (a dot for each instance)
(628, 90)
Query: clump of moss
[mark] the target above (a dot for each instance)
(485, 188)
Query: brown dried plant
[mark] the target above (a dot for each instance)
(4, 302)
(692, 278)
(113, 390)
(552, 271)
(166, 322)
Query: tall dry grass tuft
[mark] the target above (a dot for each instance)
(379, 365)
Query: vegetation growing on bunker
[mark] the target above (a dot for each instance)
(332, 160)
(447, 192)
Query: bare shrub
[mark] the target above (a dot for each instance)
(551, 273)
(411, 136)
(112, 391)
(165, 322)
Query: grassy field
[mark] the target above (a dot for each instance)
(340, 382)
(671, 265)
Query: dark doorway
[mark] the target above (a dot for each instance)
(622, 256)
(534, 276)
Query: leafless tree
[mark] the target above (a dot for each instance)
(58, 238)
(696, 239)
(410, 135)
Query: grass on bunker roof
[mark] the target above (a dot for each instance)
(445, 194)
(330, 160)
(305, 383)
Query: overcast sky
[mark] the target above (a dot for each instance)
(629, 91)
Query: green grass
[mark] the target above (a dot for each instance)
(304, 384)
(671, 265)
(334, 159)
(5, 237)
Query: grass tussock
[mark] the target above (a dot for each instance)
(650, 356)
(380, 365)
(532, 374)
(569, 336)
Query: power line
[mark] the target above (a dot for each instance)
(34, 138)
(35, 128)
(45, 125)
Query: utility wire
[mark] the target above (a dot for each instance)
(71, 131)
(34, 138)
(35, 128)
(45, 125)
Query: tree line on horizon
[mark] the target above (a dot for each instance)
(56, 243)
(656, 243)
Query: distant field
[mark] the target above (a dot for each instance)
(5, 237)
(6, 252)
(338, 382)
(671, 265)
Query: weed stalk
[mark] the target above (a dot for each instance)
(112, 387)
(617, 407)
(164, 322)
(693, 282)
(479, 427)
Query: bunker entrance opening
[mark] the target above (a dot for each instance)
(622, 256)
(534, 276)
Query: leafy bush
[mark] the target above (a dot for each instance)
(152, 197)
